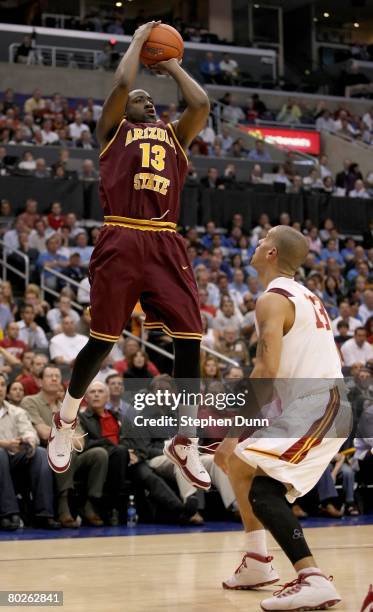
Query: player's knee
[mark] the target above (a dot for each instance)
(264, 496)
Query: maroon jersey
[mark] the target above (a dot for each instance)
(142, 172)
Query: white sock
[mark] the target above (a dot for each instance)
(310, 570)
(191, 412)
(69, 408)
(256, 542)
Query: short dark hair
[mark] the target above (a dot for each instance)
(342, 324)
(360, 328)
(111, 376)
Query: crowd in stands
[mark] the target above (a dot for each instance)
(42, 335)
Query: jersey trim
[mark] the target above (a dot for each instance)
(169, 332)
(106, 147)
(140, 224)
(100, 336)
(280, 291)
(177, 140)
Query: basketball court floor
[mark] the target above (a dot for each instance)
(172, 569)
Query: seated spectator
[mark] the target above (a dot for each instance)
(259, 154)
(323, 167)
(256, 175)
(38, 236)
(130, 348)
(55, 218)
(248, 311)
(138, 366)
(29, 332)
(366, 308)
(78, 127)
(34, 103)
(357, 349)
(280, 175)
(83, 292)
(331, 251)
(65, 346)
(238, 149)
(88, 172)
(203, 303)
(225, 139)
(312, 180)
(328, 185)
(229, 69)
(19, 447)
(342, 334)
(290, 112)
(212, 180)
(325, 122)
(116, 404)
(82, 248)
(89, 466)
(75, 270)
(331, 296)
(359, 190)
(231, 113)
(51, 258)
(15, 393)
(314, 241)
(31, 215)
(208, 134)
(232, 346)
(63, 309)
(297, 185)
(41, 170)
(30, 378)
(210, 369)
(49, 136)
(210, 69)
(12, 343)
(85, 141)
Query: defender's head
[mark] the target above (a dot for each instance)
(283, 249)
(140, 107)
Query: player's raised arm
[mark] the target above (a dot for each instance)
(124, 78)
(194, 117)
(274, 315)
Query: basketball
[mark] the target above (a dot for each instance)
(164, 43)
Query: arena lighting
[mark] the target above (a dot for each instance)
(326, 15)
(118, 4)
(256, 5)
(356, 25)
(315, 19)
(113, 41)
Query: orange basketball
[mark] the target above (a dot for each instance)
(163, 44)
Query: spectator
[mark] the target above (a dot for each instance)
(65, 346)
(227, 317)
(328, 185)
(29, 332)
(15, 393)
(208, 134)
(131, 347)
(366, 308)
(256, 175)
(41, 170)
(331, 251)
(225, 139)
(342, 334)
(232, 346)
(78, 127)
(12, 343)
(357, 349)
(212, 180)
(229, 69)
(55, 218)
(19, 447)
(90, 465)
(115, 27)
(138, 366)
(359, 190)
(325, 122)
(290, 112)
(232, 113)
(49, 136)
(63, 309)
(81, 247)
(51, 258)
(88, 172)
(297, 185)
(35, 103)
(259, 154)
(210, 69)
(31, 379)
(342, 178)
(116, 403)
(85, 141)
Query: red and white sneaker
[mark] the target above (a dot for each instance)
(307, 592)
(368, 601)
(60, 444)
(255, 571)
(183, 452)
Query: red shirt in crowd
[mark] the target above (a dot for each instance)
(15, 347)
(30, 384)
(122, 366)
(209, 309)
(109, 427)
(56, 222)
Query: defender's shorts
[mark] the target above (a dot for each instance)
(296, 459)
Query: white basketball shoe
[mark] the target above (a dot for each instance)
(60, 444)
(183, 452)
(254, 571)
(307, 592)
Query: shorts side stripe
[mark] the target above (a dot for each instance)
(169, 332)
(100, 336)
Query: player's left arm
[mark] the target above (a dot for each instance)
(273, 312)
(195, 115)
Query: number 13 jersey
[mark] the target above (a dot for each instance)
(142, 172)
(308, 349)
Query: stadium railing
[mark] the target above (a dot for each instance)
(46, 289)
(63, 57)
(6, 266)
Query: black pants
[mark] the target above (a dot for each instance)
(18, 473)
(142, 476)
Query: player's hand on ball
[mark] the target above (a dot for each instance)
(165, 67)
(142, 33)
(224, 452)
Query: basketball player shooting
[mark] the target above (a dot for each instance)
(139, 254)
(280, 463)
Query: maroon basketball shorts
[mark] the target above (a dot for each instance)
(130, 264)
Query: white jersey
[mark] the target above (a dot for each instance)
(308, 350)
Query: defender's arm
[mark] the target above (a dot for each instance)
(115, 103)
